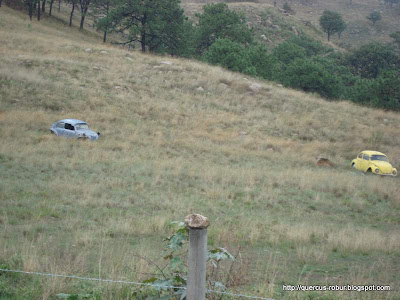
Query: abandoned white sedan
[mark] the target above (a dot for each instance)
(73, 128)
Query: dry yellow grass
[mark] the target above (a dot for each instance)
(247, 161)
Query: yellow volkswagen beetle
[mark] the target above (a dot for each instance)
(373, 162)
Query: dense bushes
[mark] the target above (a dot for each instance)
(369, 75)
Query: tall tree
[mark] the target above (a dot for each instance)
(219, 22)
(332, 22)
(71, 15)
(51, 7)
(31, 6)
(156, 25)
(84, 6)
(101, 10)
(38, 9)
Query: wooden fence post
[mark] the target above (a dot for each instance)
(196, 283)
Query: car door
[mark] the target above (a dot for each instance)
(365, 163)
(69, 130)
(359, 161)
(60, 128)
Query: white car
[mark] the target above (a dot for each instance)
(74, 129)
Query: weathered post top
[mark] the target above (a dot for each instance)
(196, 221)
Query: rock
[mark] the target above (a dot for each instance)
(294, 29)
(324, 162)
(255, 87)
(385, 120)
(88, 50)
(280, 85)
(223, 86)
(96, 68)
(242, 133)
(167, 62)
(128, 58)
(277, 27)
(268, 22)
(117, 87)
(264, 37)
(103, 52)
(197, 221)
(200, 89)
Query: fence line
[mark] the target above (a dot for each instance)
(129, 282)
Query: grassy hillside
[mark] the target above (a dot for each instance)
(244, 159)
(271, 27)
(359, 30)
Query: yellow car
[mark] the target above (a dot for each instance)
(373, 162)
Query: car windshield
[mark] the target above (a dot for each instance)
(81, 126)
(379, 157)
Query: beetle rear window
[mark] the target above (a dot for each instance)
(82, 126)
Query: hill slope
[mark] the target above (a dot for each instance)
(359, 30)
(244, 159)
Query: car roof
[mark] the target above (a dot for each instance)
(370, 152)
(72, 121)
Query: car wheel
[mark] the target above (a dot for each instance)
(353, 166)
(52, 132)
(369, 171)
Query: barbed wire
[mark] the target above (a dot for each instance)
(94, 279)
(129, 282)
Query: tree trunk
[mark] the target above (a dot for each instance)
(143, 32)
(84, 4)
(72, 13)
(44, 6)
(82, 22)
(51, 7)
(0, 2)
(329, 36)
(38, 10)
(30, 8)
(105, 30)
(59, 5)
(143, 42)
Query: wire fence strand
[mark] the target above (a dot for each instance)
(129, 282)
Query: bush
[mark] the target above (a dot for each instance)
(230, 55)
(312, 75)
(286, 52)
(369, 60)
(311, 46)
